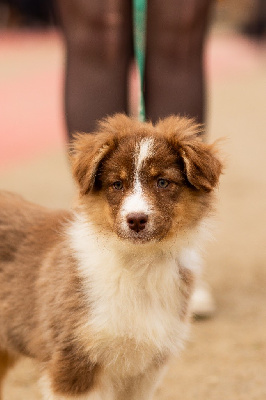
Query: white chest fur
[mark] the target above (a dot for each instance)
(133, 295)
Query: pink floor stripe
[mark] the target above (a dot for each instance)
(31, 87)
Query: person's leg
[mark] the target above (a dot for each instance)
(256, 25)
(174, 73)
(98, 37)
(175, 78)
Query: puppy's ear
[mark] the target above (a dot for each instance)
(202, 166)
(87, 151)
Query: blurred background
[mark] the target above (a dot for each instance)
(225, 357)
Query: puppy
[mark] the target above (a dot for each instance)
(99, 296)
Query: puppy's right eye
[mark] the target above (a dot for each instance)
(118, 185)
(162, 183)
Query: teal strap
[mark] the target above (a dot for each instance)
(139, 31)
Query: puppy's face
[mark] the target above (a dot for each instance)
(142, 183)
(145, 182)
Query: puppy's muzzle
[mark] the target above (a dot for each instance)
(137, 221)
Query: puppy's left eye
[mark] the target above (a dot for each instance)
(162, 183)
(118, 185)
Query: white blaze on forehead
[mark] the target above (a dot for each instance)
(143, 151)
(136, 201)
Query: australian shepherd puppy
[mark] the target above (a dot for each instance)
(99, 296)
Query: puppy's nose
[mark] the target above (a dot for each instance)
(137, 221)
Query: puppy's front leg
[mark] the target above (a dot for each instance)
(95, 395)
(102, 390)
(143, 386)
(6, 362)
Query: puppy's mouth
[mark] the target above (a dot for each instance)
(136, 237)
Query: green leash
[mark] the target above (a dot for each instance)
(139, 32)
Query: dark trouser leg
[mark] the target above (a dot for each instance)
(174, 73)
(98, 38)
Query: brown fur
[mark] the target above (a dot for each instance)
(43, 306)
(202, 167)
(37, 233)
(6, 362)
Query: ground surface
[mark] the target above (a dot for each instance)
(225, 358)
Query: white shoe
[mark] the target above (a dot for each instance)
(202, 301)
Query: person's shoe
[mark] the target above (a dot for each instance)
(202, 301)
